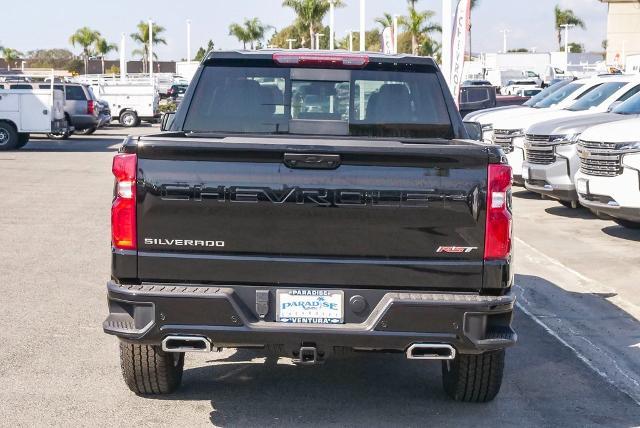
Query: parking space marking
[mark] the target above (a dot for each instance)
(632, 385)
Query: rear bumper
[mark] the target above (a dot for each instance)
(228, 317)
(84, 121)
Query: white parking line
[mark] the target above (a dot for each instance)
(594, 356)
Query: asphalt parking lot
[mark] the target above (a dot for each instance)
(577, 362)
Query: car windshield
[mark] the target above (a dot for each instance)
(546, 92)
(302, 101)
(597, 96)
(631, 106)
(559, 95)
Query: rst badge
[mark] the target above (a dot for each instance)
(455, 250)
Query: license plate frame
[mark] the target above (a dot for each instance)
(306, 306)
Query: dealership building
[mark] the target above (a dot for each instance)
(623, 30)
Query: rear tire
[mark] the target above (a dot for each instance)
(148, 370)
(627, 223)
(8, 136)
(129, 119)
(474, 378)
(59, 135)
(23, 139)
(87, 131)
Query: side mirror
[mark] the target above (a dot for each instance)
(474, 130)
(166, 121)
(614, 105)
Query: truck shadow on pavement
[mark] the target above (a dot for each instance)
(90, 144)
(522, 193)
(562, 211)
(545, 385)
(622, 233)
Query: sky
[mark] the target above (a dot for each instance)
(49, 24)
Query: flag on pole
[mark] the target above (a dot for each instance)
(387, 40)
(458, 47)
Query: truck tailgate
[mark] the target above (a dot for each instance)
(311, 212)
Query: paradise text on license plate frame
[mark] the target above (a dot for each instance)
(309, 306)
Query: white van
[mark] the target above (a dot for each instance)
(130, 103)
(29, 111)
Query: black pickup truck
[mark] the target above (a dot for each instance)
(305, 204)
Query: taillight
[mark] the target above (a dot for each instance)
(90, 107)
(123, 209)
(498, 228)
(321, 60)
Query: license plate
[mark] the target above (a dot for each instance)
(310, 306)
(582, 186)
(525, 173)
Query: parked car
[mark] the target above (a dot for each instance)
(307, 231)
(558, 96)
(608, 182)
(596, 96)
(79, 107)
(26, 111)
(177, 91)
(476, 83)
(528, 93)
(551, 158)
(513, 86)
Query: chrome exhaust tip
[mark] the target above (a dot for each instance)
(186, 344)
(431, 351)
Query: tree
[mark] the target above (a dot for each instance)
(142, 38)
(574, 47)
(241, 33)
(202, 52)
(86, 38)
(372, 40)
(252, 31)
(473, 4)
(310, 14)
(55, 58)
(385, 21)
(566, 17)
(605, 44)
(10, 56)
(418, 25)
(293, 32)
(518, 50)
(103, 48)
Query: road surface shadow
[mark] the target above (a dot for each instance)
(75, 144)
(522, 193)
(622, 233)
(562, 211)
(544, 385)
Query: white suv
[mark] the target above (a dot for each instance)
(596, 96)
(551, 160)
(608, 182)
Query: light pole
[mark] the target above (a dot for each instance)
(566, 44)
(395, 34)
(332, 23)
(363, 46)
(151, 50)
(123, 60)
(350, 32)
(291, 43)
(318, 35)
(188, 40)
(504, 39)
(447, 30)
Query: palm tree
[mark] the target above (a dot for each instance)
(240, 33)
(103, 48)
(385, 21)
(310, 13)
(85, 37)
(10, 56)
(418, 24)
(566, 17)
(142, 37)
(251, 31)
(474, 3)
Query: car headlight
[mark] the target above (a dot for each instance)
(565, 139)
(628, 146)
(487, 127)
